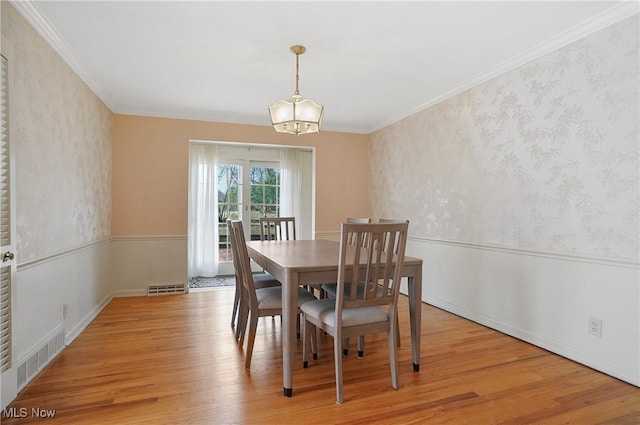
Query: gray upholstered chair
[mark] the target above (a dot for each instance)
(369, 307)
(255, 303)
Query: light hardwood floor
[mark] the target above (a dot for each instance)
(174, 360)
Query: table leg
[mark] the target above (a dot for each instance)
(415, 314)
(289, 317)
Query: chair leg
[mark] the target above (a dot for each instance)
(361, 341)
(393, 358)
(306, 346)
(236, 304)
(314, 341)
(397, 331)
(310, 342)
(243, 317)
(337, 354)
(253, 326)
(345, 347)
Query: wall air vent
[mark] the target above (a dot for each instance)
(166, 289)
(29, 367)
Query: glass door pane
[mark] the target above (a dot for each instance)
(229, 204)
(265, 195)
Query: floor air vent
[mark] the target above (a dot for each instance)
(168, 289)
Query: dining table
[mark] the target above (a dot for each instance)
(311, 262)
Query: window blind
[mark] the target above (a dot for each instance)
(5, 233)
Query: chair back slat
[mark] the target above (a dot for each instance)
(277, 228)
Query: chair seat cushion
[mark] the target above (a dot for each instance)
(264, 280)
(325, 311)
(332, 289)
(271, 297)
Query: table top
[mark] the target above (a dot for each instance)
(300, 255)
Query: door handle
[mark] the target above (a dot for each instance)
(7, 256)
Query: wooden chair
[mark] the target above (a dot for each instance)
(371, 306)
(255, 303)
(263, 280)
(329, 289)
(277, 228)
(282, 229)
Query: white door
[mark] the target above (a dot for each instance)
(8, 376)
(239, 200)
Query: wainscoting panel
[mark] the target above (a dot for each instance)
(77, 278)
(140, 261)
(330, 236)
(542, 298)
(56, 296)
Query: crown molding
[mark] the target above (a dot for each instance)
(613, 15)
(30, 11)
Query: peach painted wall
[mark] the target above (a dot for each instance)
(149, 174)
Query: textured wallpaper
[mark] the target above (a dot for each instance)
(544, 158)
(60, 135)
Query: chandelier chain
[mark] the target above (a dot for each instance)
(297, 74)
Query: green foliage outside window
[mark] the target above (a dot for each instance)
(264, 191)
(229, 180)
(265, 195)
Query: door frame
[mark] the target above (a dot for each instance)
(243, 153)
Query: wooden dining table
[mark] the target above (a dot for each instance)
(308, 262)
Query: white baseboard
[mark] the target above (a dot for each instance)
(86, 320)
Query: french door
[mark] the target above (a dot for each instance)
(243, 182)
(247, 191)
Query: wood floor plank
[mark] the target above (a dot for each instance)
(174, 360)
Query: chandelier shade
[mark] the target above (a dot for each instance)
(296, 115)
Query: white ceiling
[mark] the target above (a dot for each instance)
(368, 63)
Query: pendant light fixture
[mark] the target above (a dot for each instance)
(296, 115)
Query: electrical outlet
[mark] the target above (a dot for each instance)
(595, 327)
(65, 311)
